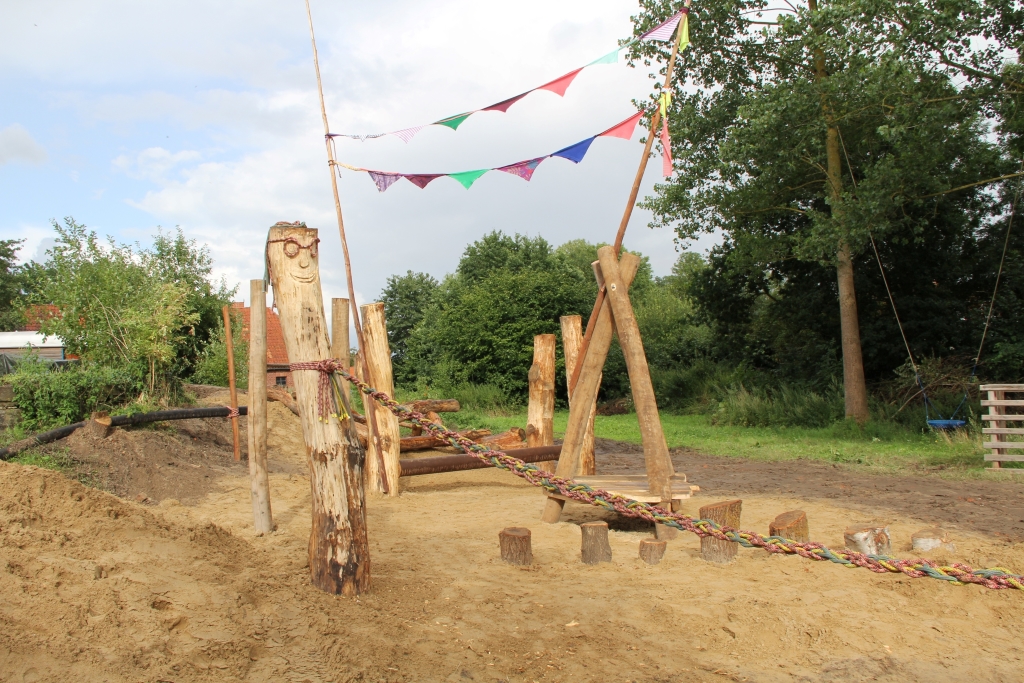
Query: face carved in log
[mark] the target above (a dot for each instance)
(301, 264)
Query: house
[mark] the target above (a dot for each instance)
(278, 373)
(19, 343)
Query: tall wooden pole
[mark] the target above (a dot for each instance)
(263, 519)
(540, 428)
(371, 422)
(572, 338)
(226, 312)
(634, 191)
(339, 553)
(381, 377)
(340, 347)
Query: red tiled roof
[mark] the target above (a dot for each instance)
(276, 352)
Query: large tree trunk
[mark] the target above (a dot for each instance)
(339, 553)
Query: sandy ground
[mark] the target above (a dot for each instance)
(97, 588)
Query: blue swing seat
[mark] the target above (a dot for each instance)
(947, 424)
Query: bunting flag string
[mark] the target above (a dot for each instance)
(524, 169)
(662, 32)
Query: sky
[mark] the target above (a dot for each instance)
(205, 115)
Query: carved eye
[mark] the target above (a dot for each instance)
(314, 248)
(291, 247)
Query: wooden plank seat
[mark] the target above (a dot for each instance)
(634, 486)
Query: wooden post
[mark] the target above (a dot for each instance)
(339, 553)
(726, 513)
(791, 525)
(594, 547)
(540, 420)
(99, 425)
(997, 437)
(586, 391)
(340, 348)
(651, 551)
(226, 312)
(378, 357)
(515, 545)
(572, 337)
(263, 519)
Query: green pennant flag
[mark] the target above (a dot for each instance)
(684, 33)
(610, 58)
(453, 122)
(467, 178)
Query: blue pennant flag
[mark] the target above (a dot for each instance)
(575, 153)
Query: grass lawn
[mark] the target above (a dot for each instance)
(876, 446)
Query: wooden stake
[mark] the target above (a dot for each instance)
(340, 347)
(658, 462)
(540, 429)
(791, 525)
(572, 338)
(516, 547)
(726, 513)
(381, 377)
(651, 551)
(594, 547)
(586, 392)
(339, 554)
(263, 519)
(226, 312)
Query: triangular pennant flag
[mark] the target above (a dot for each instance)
(623, 130)
(610, 58)
(384, 180)
(407, 134)
(421, 180)
(664, 31)
(467, 178)
(505, 104)
(666, 149)
(453, 122)
(575, 153)
(684, 32)
(523, 169)
(560, 84)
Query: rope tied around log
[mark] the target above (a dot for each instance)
(996, 578)
(328, 394)
(232, 413)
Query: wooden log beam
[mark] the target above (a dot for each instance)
(511, 440)
(422, 443)
(726, 513)
(259, 482)
(378, 358)
(226, 312)
(572, 338)
(434, 405)
(540, 419)
(516, 547)
(586, 391)
(339, 553)
(341, 348)
(276, 394)
(413, 467)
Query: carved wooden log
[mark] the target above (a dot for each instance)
(506, 441)
(870, 540)
(594, 547)
(259, 483)
(726, 513)
(99, 425)
(378, 357)
(420, 443)
(516, 546)
(572, 339)
(279, 395)
(339, 553)
(540, 430)
(791, 525)
(651, 551)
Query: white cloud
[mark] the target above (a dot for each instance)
(17, 144)
(153, 163)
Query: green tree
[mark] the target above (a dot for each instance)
(11, 284)
(406, 298)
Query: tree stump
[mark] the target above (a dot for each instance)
(726, 513)
(99, 425)
(594, 547)
(870, 540)
(930, 539)
(791, 525)
(515, 545)
(651, 551)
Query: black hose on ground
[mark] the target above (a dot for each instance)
(116, 421)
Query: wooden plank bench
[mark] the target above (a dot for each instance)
(996, 420)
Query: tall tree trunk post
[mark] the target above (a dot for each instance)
(572, 338)
(229, 343)
(339, 552)
(263, 519)
(340, 348)
(540, 416)
(383, 463)
(855, 389)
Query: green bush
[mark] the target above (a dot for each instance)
(212, 367)
(50, 397)
(783, 407)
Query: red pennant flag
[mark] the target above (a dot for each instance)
(505, 104)
(623, 130)
(421, 180)
(560, 84)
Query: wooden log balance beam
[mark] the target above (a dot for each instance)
(339, 552)
(413, 467)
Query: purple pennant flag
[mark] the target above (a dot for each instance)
(505, 104)
(407, 134)
(421, 180)
(523, 169)
(384, 180)
(665, 30)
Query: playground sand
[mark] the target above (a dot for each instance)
(97, 588)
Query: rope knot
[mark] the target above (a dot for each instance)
(324, 397)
